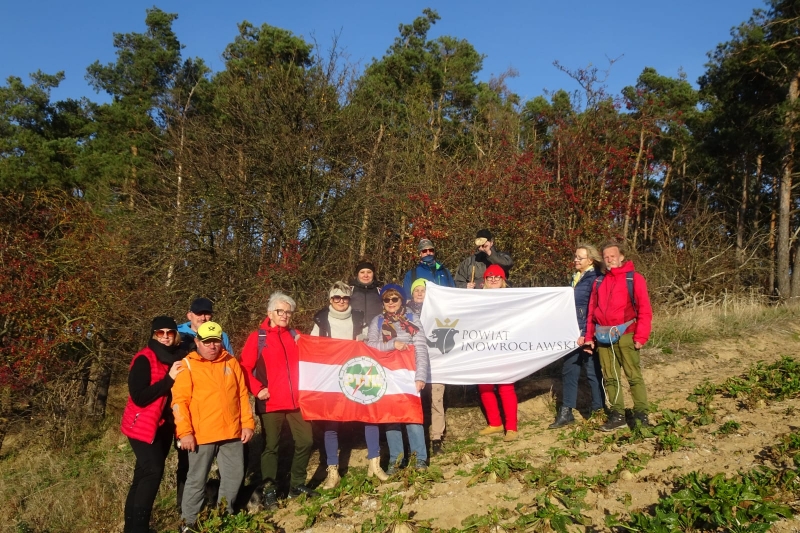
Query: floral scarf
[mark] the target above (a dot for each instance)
(387, 329)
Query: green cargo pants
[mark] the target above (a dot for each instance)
(623, 354)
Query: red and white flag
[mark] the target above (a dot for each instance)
(349, 381)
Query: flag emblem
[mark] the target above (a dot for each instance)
(363, 380)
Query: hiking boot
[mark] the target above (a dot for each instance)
(269, 497)
(188, 528)
(564, 418)
(376, 470)
(511, 436)
(332, 480)
(436, 448)
(615, 420)
(299, 490)
(642, 419)
(491, 430)
(421, 467)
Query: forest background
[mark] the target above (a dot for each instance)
(285, 168)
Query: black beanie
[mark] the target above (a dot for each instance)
(163, 322)
(364, 264)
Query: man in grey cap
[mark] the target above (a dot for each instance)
(427, 268)
(200, 312)
(470, 272)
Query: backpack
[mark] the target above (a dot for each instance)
(628, 279)
(261, 366)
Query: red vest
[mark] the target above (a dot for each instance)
(141, 423)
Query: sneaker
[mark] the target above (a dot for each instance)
(299, 490)
(615, 420)
(421, 467)
(436, 448)
(511, 436)
(642, 419)
(491, 430)
(269, 497)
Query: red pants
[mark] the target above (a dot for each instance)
(509, 399)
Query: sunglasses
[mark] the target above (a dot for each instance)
(209, 342)
(161, 333)
(427, 251)
(337, 299)
(391, 299)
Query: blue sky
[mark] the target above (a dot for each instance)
(528, 35)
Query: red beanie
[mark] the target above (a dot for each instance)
(495, 270)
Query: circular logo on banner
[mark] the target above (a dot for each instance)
(363, 380)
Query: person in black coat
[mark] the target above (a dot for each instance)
(587, 263)
(365, 298)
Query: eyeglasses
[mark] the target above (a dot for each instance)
(282, 312)
(161, 333)
(337, 299)
(426, 251)
(391, 299)
(494, 278)
(210, 342)
(576, 258)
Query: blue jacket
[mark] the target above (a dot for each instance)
(583, 291)
(185, 330)
(435, 273)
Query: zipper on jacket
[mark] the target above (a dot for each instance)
(288, 371)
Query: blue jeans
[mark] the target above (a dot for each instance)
(571, 373)
(371, 435)
(416, 441)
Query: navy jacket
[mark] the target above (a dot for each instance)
(583, 291)
(435, 273)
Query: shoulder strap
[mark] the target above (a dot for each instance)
(261, 367)
(629, 279)
(380, 323)
(262, 341)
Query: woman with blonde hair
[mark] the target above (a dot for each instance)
(587, 264)
(495, 278)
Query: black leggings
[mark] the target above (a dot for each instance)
(147, 474)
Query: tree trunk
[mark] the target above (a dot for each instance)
(740, 216)
(785, 197)
(633, 186)
(369, 188)
(773, 222)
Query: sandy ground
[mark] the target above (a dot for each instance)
(669, 378)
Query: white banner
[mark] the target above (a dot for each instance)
(497, 336)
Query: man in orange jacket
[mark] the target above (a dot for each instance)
(212, 418)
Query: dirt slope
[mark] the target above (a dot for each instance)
(670, 379)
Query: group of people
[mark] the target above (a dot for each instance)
(186, 385)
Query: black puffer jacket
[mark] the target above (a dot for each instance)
(366, 299)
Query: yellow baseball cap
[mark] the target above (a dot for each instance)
(208, 331)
